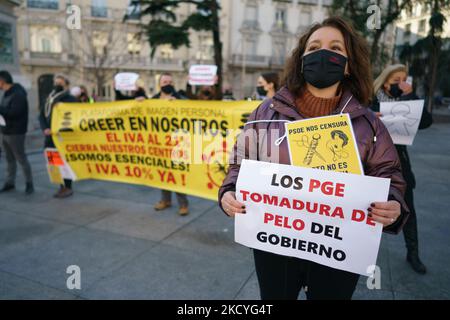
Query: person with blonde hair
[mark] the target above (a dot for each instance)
(391, 86)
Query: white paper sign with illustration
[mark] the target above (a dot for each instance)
(402, 119)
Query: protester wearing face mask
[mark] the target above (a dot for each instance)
(14, 111)
(391, 86)
(59, 94)
(168, 92)
(206, 93)
(329, 72)
(268, 85)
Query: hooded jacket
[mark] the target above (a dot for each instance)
(14, 109)
(377, 151)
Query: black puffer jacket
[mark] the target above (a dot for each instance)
(14, 108)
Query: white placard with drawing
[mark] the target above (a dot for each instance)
(402, 119)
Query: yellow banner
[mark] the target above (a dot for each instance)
(325, 143)
(177, 145)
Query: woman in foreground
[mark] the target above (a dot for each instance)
(328, 73)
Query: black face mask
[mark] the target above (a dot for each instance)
(206, 93)
(261, 91)
(58, 88)
(324, 68)
(395, 91)
(168, 89)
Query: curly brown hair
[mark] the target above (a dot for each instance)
(359, 81)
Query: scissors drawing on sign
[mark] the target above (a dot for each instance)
(312, 148)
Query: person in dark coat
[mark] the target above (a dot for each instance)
(168, 92)
(391, 86)
(59, 94)
(14, 111)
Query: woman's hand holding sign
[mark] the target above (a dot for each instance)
(231, 205)
(385, 213)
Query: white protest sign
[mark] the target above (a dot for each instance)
(126, 81)
(202, 75)
(402, 119)
(310, 214)
(2, 121)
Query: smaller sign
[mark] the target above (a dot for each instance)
(326, 143)
(126, 81)
(202, 75)
(402, 119)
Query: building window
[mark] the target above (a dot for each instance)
(45, 39)
(134, 10)
(99, 42)
(305, 17)
(46, 45)
(422, 26)
(250, 47)
(99, 9)
(134, 43)
(251, 16)
(206, 48)
(407, 34)
(43, 4)
(280, 18)
(6, 43)
(166, 52)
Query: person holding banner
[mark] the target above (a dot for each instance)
(81, 94)
(168, 92)
(138, 93)
(328, 73)
(391, 85)
(60, 93)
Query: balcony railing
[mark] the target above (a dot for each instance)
(250, 25)
(250, 60)
(45, 55)
(257, 61)
(135, 62)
